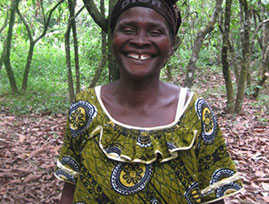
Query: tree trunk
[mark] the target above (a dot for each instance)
(102, 63)
(103, 22)
(97, 16)
(7, 47)
(246, 56)
(224, 56)
(68, 63)
(114, 72)
(33, 42)
(198, 44)
(28, 65)
(2, 55)
(71, 5)
(5, 24)
(265, 53)
(235, 63)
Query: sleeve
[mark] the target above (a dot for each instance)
(68, 165)
(217, 173)
(80, 117)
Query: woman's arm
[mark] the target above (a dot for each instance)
(67, 194)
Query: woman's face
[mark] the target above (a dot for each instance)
(141, 42)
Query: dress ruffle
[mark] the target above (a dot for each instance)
(145, 147)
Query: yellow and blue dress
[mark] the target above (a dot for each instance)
(110, 162)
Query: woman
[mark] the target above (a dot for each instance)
(141, 140)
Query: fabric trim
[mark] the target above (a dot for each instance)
(179, 111)
(225, 196)
(61, 179)
(235, 177)
(125, 158)
(67, 170)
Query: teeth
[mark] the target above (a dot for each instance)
(144, 57)
(136, 56)
(133, 55)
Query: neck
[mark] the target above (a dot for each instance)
(137, 93)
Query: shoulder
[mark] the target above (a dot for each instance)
(86, 95)
(82, 111)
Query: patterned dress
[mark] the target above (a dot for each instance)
(111, 162)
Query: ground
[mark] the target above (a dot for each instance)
(29, 145)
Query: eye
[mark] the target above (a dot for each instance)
(127, 30)
(155, 32)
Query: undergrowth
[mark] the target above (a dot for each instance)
(47, 85)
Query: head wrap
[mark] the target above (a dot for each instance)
(165, 8)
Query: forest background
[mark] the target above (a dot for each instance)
(50, 50)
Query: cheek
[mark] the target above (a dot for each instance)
(116, 43)
(165, 47)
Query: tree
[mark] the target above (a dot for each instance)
(245, 40)
(104, 54)
(103, 22)
(198, 44)
(7, 47)
(34, 41)
(264, 26)
(224, 57)
(72, 26)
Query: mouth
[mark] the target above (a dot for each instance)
(141, 57)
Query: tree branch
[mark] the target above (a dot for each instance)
(48, 21)
(5, 24)
(199, 41)
(97, 16)
(25, 24)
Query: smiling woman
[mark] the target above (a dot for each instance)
(141, 43)
(138, 139)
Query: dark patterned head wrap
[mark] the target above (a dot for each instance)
(166, 8)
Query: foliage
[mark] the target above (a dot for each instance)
(48, 78)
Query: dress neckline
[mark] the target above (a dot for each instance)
(181, 108)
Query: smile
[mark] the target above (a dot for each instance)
(139, 57)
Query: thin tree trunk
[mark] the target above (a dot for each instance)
(7, 48)
(2, 55)
(246, 57)
(102, 63)
(71, 5)
(98, 71)
(34, 41)
(198, 44)
(5, 24)
(28, 65)
(265, 53)
(114, 72)
(68, 63)
(224, 56)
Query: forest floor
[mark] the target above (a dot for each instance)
(29, 145)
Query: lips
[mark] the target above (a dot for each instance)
(141, 57)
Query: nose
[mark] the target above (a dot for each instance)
(140, 40)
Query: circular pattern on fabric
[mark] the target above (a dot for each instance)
(227, 189)
(65, 176)
(129, 178)
(144, 140)
(170, 146)
(81, 115)
(208, 120)
(154, 201)
(69, 161)
(221, 174)
(113, 151)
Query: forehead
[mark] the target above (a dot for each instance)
(142, 14)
